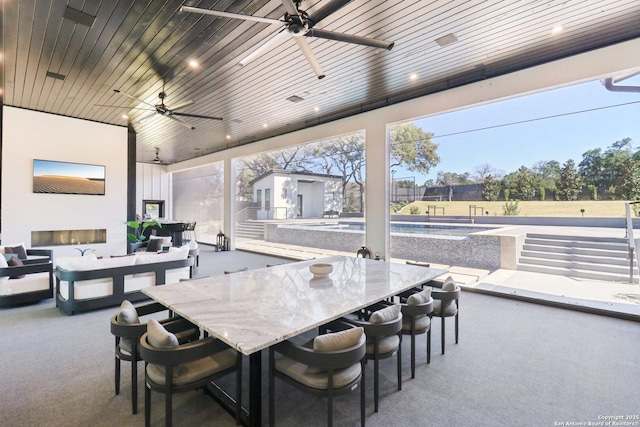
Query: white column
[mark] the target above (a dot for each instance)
(229, 201)
(377, 189)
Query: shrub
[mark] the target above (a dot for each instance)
(593, 191)
(510, 208)
(414, 210)
(611, 192)
(507, 193)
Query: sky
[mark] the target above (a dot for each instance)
(506, 148)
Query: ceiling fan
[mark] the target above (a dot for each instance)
(157, 159)
(297, 23)
(165, 111)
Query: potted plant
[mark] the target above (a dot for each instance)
(137, 238)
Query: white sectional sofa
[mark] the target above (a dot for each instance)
(37, 283)
(86, 283)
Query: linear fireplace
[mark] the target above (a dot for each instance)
(68, 237)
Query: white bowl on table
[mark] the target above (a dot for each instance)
(320, 270)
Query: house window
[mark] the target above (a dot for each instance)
(259, 198)
(267, 198)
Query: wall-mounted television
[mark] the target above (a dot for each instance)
(67, 178)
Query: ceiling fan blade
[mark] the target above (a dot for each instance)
(273, 41)
(350, 38)
(120, 106)
(308, 53)
(326, 11)
(197, 116)
(184, 104)
(230, 15)
(182, 122)
(145, 117)
(134, 98)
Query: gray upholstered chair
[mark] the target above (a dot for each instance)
(173, 368)
(382, 324)
(127, 328)
(417, 307)
(446, 304)
(329, 365)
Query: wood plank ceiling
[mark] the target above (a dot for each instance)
(53, 63)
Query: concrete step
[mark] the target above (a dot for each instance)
(614, 246)
(598, 258)
(577, 265)
(583, 274)
(608, 253)
(620, 240)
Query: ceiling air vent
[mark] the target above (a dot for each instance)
(79, 17)
(447, 40)
(295, 98)
(55, 75)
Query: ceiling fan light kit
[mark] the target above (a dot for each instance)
(298, 24)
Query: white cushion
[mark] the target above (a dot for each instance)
(337, 341)
(127, 313)
(193, 244)
(71, 262)
(29, 283)
(385, 344)
(190, 372)
(159, 337)
(421, 297)
(298, 371)
(172, 255)
(386, 314)
(449, 284)
(423, 322)
(449, 309)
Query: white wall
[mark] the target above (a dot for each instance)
(154, 183)
(29, 135)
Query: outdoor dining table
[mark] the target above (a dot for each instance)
(255, 309)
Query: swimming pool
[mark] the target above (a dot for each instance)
(402, 228)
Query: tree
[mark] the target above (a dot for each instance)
(411, 147)
(629, 180)
(491, 189)
(522, 184)
(481, 172)
(569, 182)
(603, 169)
(449, 179)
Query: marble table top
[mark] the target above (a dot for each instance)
(252, 310)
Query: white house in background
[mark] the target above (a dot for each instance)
(282, 194)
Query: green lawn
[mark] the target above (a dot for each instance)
(592, 208)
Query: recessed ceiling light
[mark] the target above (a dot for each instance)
(228, 136)
(124, 116)
(264, 125)
(413, 76)
(193, 63)
(557, 29)
(316, 109)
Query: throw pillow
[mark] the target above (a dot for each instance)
(335, 341)
(419, 297)
(338, 340)
(15, 262)
(159, 337)
(449, 284)
(18, 250)
(154, 245)
(385, 315)
(127, 313)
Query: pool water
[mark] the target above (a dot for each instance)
(428, 229)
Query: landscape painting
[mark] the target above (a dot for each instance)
(67, 178)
